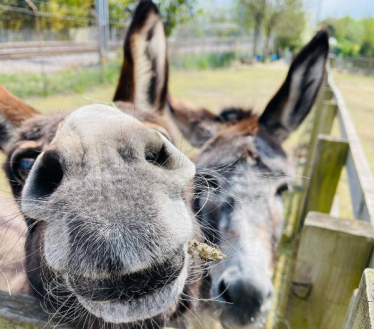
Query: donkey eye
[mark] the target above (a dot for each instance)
(26, 164)
(281, 189)
(22, 164)
(23, 167)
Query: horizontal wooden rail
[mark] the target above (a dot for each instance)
(361, 181)
(23, 312)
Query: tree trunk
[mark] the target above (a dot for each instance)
(266, 49)
(255, 40)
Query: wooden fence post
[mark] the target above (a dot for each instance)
(361, 313)
(324, 98)
(328, 115)
(333, 254)
(325, 113)
(330, 158)
(327, 164)
(318, 195)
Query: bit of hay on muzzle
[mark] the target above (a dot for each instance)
(205, 252)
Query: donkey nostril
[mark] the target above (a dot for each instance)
(224, 292)
(47, 175)
(162, 153)
(160, 158)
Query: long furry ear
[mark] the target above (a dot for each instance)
(144, 74)
(294, 100)
(196, 124)
(13, 112)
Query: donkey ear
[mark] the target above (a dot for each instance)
(294, 100)
(12, 112)
(144, 75)
(196, 124)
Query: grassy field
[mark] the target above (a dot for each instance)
(240, 86)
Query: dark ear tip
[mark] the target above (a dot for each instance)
(141, 14)
(146, 6)
(321, 39)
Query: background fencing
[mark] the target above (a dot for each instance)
(45, 60)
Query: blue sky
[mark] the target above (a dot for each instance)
(339, 8)
(334, 8)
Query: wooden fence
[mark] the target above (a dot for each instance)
(18, 50)
(358, 65)
(322, 258)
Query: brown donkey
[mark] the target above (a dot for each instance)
(242, 171)
(102, 190)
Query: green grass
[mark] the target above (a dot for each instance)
(69, 80)
(80, 79)
(202, 61)
(248, 86)
(358, 92)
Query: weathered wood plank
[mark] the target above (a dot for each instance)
(25, 312)
(361, 315)
(332, 255)
(22, 312)
(328, 162)
(323, 97)
(360, 178)
(350, 307)
(328, 116)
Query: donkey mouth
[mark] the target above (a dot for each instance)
(128, 287)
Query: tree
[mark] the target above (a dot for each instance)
(120, 11)
(77, 13)
(290, 25)
(282, 19)
(175, 12)
(273, 14)
(251, 14)
(14, 20)
(66, 14)
(367, 46)
(354, 37)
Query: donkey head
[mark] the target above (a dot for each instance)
(102, 191)
(242, 171)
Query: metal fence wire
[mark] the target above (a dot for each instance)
(58, 53)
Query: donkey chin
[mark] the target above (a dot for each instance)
(128, 297)
(133, 304)
(238, 320)
(144, 308)
(112, 289)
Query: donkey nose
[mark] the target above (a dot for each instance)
(245, 296)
